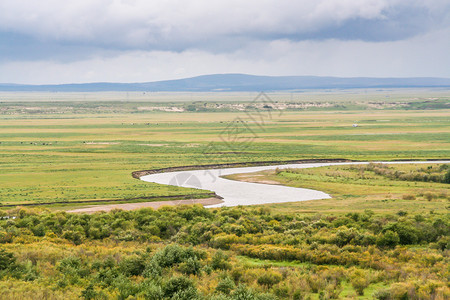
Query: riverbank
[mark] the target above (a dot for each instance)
(236, 193)
(154, 205)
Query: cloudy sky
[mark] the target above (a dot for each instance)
(54, 41)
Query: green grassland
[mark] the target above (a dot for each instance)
(378, 237)
(88, 152)
(356, 189)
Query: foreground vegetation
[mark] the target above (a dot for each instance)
(190, 252)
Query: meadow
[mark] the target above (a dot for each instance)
(358, 188)
(58, 152)
(383, 235)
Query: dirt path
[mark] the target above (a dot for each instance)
(154, 205)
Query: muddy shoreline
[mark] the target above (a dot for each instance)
(153, 205)
(171, 197)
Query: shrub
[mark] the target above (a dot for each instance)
(316, 283)
(402, 290)
(402, 213)
(132, 266)
(225, 286)
(447, 177)
(191, 266)
(174, 254)
(408, 197)
(388, 239)
(179, 288)
(39, 230)
(345, 236)
(243, 293)
(224, 241)
(89, 293)
(359, 281)
(333, 289)
(125, 287)
(220, 261)
(5, 237)
(429, 196)
(69, 263)
(443, 243)
(7, 259)
(269, 278)
(74, 236)
(407, 234)
(382, 294)
(150, 290)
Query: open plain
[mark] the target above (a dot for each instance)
(383, 234)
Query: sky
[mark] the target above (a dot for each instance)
(75, 41)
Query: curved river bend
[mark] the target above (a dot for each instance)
(245, 193)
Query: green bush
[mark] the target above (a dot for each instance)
(447, 177)
(359, 281)
(243, 293)
(151, 290)
(220, 261)
(89, 293)
(388, 239)
(132, 266)
(179, 288)
(191, 266)
(7, 260)
(269, 278)
(225, 285)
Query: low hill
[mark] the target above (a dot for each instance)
(238, 82)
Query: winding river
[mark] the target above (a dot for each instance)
(244, 193)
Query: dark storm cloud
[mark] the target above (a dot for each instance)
(397, 23)
(74, 27)
(15, 46)
(140, 40)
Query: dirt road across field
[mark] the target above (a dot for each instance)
(154, 205)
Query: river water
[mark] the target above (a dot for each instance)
(244, 193)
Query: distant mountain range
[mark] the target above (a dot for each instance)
(238, 82)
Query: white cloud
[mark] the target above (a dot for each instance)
(140, 40)
(170, 23)
(421, 56)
